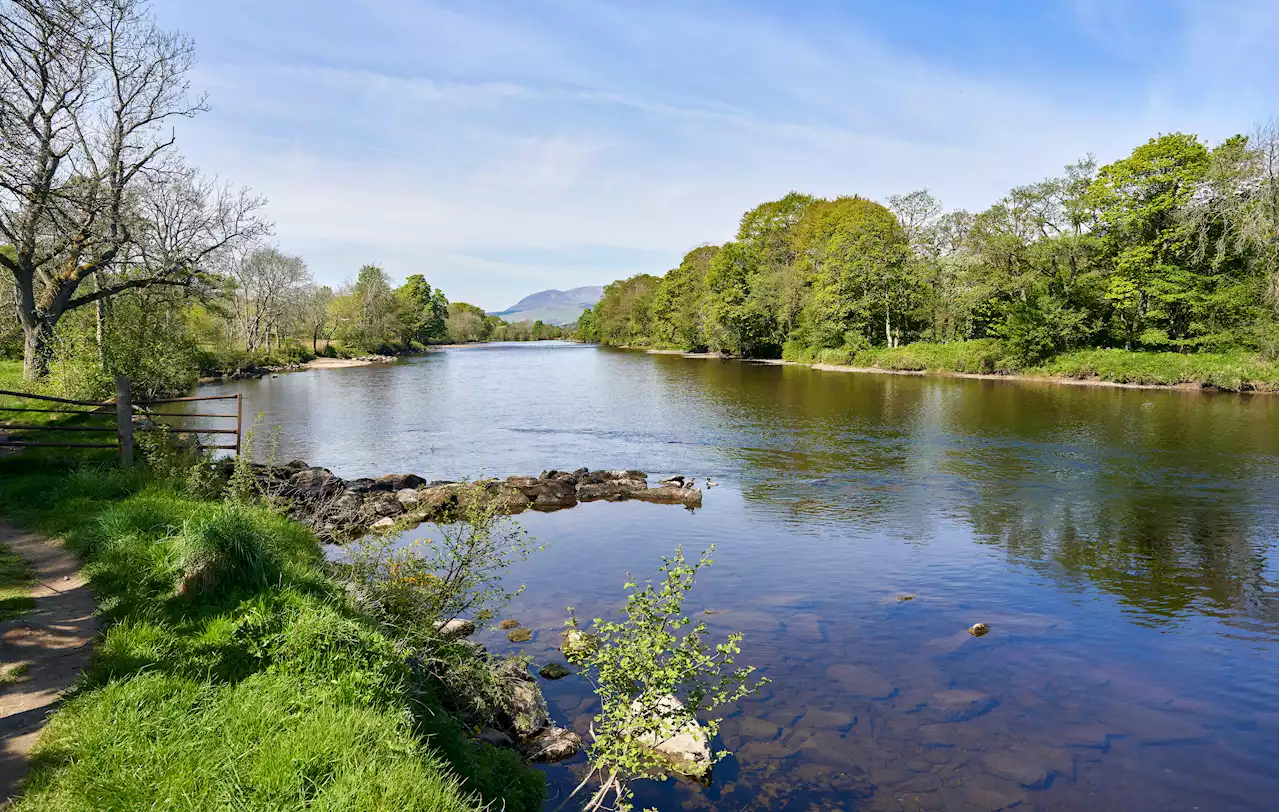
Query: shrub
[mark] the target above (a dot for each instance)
(639, 665)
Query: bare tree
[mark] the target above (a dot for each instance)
(272, 287)
(90, 183)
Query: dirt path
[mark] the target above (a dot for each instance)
(54, 641)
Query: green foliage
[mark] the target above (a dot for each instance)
(1173, 247)
(1232, 371)
(638, 665)
(457, 572)
(422, 312)
(271, 693)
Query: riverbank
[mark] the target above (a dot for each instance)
(987, 359)
(234, 670)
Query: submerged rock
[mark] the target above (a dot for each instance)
(551, 745)
(554, 671)
(520, 635)
(979, 629)
(509, 623)
(959, 705)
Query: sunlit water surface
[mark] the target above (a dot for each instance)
(1122, 545)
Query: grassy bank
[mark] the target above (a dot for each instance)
(255, 685)
(1231, 371)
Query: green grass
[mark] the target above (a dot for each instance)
(16, 579)
(234, 674)
(1234, 371)
(1231, 371)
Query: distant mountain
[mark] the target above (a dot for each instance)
(560, 307)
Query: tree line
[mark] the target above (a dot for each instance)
(117, 256)
(1173, 248)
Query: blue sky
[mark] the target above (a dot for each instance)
(501, 148)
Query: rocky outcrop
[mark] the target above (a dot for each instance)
(524, 719)
(338, 510)
(684, 744)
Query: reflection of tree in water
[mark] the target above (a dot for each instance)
(1165, 499)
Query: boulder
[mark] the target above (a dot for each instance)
(362, 485)
(523, 711)
(511, 500)
(638, 475)
(690, 497)
(553, 494)
(554, 671)
(435, 500)
(495, 737)
(613, 490)
(316, 484)
(520, 635)
(575, 640)
(682, 742)
(550, 745)
(979, 629)
(522, 481)
(383, 504)
(397, 482)
(407, 496)
(455, 629)
(383, 525)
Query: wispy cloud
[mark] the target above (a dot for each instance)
(496, 146)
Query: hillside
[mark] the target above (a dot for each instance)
(560, 307)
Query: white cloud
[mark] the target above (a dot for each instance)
(645, 130)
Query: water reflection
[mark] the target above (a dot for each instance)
(1121, 543)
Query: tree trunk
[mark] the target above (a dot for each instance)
(36, 346)
(100, 319)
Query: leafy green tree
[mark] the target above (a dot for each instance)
(422, 311)
(854, 253)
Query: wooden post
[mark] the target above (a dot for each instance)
(239, 419)
(124, 419)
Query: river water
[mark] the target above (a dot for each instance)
(1121, 544)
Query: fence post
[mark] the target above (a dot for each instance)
(124, 419)
(239, 422)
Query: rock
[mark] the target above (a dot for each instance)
(297, 465)
(520, 635)
(512, 500)
(382, 525)
(907, 597)
(757, 729)
(959, 705)
(551, 745)
(861, 680)
(831, 720)
(691, 497)
(524, 711)
(613, 491)
(407, 496)
(437, 500)
(383, 504)
(495, 737)
(575, 640)
(637, 475)
(554, 671)
(456, 629)
(349, 502)
(508, 624)
(522, 481)
(398, 482)
(1016, 766)
(683, 743)
(362, 485)
(979, 629)
(919, 784)
(553, 494)
(316, 484)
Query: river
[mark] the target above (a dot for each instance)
(1121, 544)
